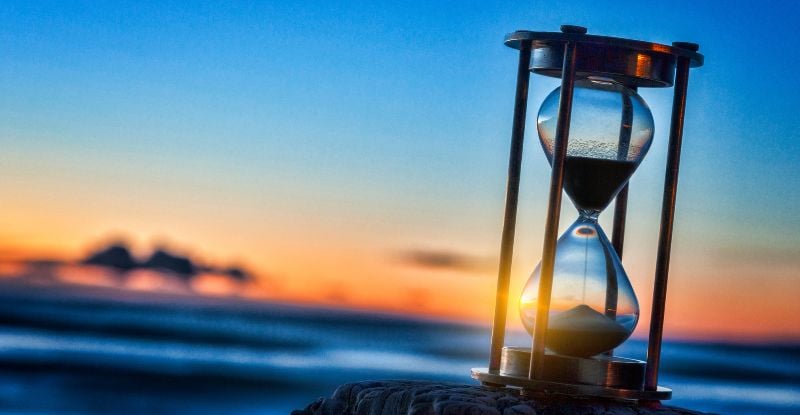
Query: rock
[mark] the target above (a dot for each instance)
(519, 410)
(409, 397)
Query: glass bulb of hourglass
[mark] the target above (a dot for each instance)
(593, 307)
(610, 132)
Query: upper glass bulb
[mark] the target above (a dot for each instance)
(611, 129)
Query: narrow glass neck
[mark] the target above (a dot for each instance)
(588, 215)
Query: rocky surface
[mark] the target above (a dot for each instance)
(401, 397)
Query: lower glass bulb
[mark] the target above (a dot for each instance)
(593, 308)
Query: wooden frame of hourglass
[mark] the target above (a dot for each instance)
(568, 55)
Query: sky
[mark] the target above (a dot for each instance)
(354, 153)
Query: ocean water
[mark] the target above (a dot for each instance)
(78, 351)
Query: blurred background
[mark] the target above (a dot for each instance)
(233, 207)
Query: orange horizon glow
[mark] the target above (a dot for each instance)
(374, 284)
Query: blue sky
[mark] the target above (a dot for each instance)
(382, 124)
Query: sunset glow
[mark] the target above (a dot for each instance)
(348, 175)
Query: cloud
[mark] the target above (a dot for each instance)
(118, 256)
(446, 260)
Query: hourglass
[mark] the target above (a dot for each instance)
(578, 304)
(593, 307)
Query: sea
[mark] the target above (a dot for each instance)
(78, 350)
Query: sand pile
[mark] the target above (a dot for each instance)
(582, 332)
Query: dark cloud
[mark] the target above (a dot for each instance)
(118, 256)
(446, 260)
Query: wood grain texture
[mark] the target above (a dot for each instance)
(407, 397)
